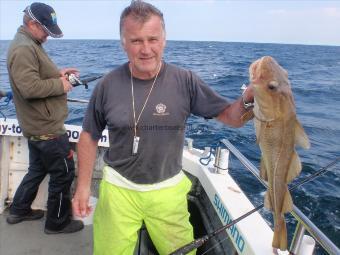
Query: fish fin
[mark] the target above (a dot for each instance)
(294, 167)
(263, 171)
(267, 201)
(248, 115)
(287, 205)
(301, 137)
(280, 233)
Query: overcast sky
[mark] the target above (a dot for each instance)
(271, 21)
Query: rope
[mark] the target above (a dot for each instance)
(208, 158)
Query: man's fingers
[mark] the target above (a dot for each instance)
(80, 208)
(69, 70)
(66, 84)
(83, 209)
(76, 207)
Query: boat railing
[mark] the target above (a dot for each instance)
(304, 224)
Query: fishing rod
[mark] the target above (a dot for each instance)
(76, 100)
(200, 241)
(75, 81)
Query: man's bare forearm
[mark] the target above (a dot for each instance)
(87, 149)
(236, 114)
(232, 115)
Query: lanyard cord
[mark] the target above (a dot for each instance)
(135, 122)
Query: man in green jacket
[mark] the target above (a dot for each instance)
(40, 97)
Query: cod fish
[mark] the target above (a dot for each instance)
(277, 133)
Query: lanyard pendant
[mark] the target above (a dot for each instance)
(135, 145)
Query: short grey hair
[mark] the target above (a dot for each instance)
(141, 12)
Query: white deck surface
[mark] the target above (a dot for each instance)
(28, 238)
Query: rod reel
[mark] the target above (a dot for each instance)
(75, 81)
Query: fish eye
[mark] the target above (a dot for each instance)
(273, 85)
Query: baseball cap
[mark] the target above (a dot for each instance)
(46, 17)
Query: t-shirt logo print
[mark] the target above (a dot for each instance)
(160, 110)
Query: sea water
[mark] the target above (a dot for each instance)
(314, 72)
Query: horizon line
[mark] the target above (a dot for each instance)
(186, 40)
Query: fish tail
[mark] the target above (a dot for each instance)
(287, 205)
(280, 234)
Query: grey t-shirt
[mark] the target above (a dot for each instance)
(176, 94)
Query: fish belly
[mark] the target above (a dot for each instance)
(276, 140)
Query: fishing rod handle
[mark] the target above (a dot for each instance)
(190, 247)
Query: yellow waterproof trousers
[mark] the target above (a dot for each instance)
(120, 213)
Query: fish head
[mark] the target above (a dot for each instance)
(272, 92)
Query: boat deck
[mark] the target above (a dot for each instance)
(28, 238)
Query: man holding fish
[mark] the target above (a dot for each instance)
(142, 179)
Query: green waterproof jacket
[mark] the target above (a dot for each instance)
(38, 93)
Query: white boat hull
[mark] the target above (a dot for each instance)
(250, 236)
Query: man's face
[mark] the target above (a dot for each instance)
(38, 31)
(144, 45)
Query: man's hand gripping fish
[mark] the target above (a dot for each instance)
(277, 133)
